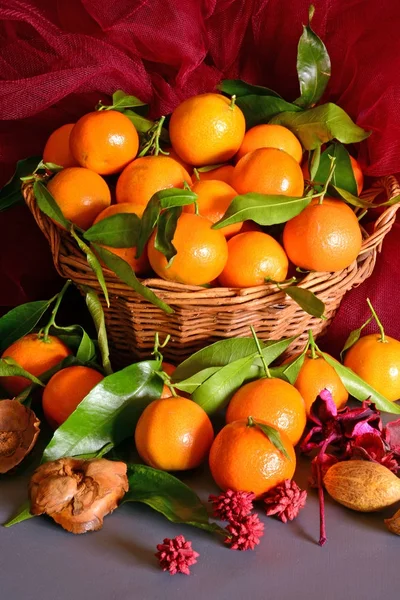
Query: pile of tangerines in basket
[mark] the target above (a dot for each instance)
(229, 170)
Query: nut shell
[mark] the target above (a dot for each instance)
(78, 494)
(19, 429)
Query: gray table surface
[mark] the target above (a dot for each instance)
(39, 561)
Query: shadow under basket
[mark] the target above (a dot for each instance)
(204, 315)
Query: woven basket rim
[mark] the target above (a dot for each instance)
(167, 289)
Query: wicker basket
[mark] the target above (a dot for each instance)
(205, 315)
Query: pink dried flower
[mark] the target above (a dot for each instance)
(231, 505)
(176, 555)
(285, 501)
(245, 533)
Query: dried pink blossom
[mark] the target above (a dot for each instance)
(285, 500)
(231, 505)
(245, 534)
(176, 555)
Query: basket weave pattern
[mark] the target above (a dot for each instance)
(203, 315)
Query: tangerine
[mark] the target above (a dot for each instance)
(377, 361)
(268, 171)
(272, 400)
(242, 458)
(207, 129)
(173, 434)
(323, 237)
(316, 375)
(65, 390)
(271, 136)
(213, 200)
(147, 175)
(81, 195)
(201, 252)
(222, 173)
(35, 355)
(139, 265)
(57, 150)
(253, 257)
(104, 141)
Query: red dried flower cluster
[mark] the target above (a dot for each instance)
(244, 529)
(231, 505)
(176, 555)
(348, 433)
(285, 500)
(245, 533)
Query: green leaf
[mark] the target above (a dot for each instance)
(262, 209)
(118, 231)
(313, 66)
(209, 168)
(308, 301)
(122, 100)
(48, 205)
(20, 321)
(218, 354)
(169, 198)
(314, 162)
(359, 389)
(22, 514)
(215, 392)
(76, 338)
(108, 414)
(289, 371)
(125, 272)
(191, 384)
(96, 310)
(321, 124)
(93, 263)
(142, 124)
(174, 197)
(166, 228)
(9, 368)
(169, 496)
(343, 175)
(354, 336)
(11, 194)
(52, 167)
(238, 88)
(274, 437)
(260, 109)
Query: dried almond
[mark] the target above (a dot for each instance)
(362, 485)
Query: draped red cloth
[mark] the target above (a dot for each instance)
(57, 58)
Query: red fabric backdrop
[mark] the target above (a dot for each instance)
(58, 58)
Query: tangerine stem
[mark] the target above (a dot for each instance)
(381, 329)
(52, 320)
(233, 102)
(312, 344)
(196, 174)
(260, 354)
(250, 422)
(157, 134)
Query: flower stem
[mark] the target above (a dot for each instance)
(260, 354)
(52, 321)
(381, 329)
(330, 175)
(321, 497)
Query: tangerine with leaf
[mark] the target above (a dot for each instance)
(207, 129)
(36, 354)
(252, 456)
(104, 141)
(376, 359)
